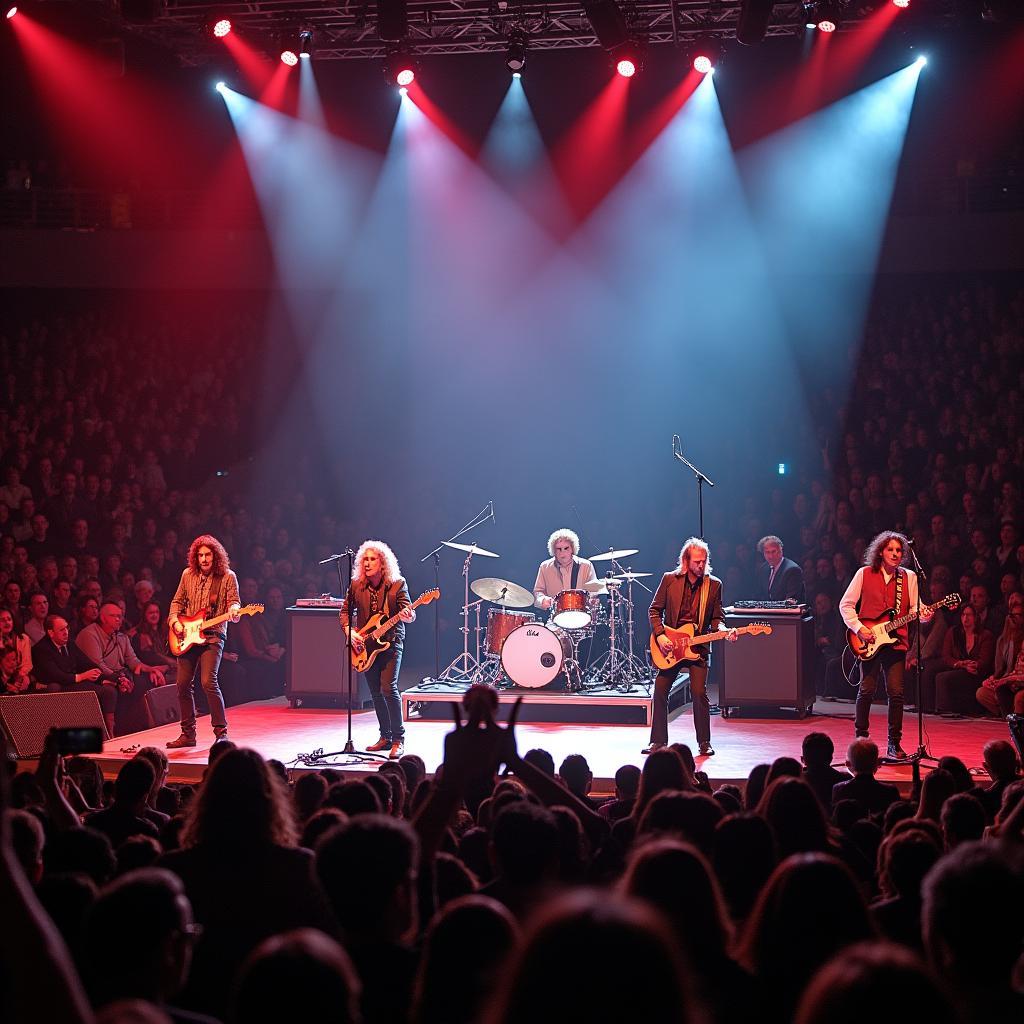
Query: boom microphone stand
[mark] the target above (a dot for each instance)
(677, 453)
(921, 754)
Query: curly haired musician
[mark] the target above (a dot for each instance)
(564, 570)
(879, 586)
(207, 587)
(688, 595)
(377, 587)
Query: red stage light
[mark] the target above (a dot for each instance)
(405, 77)
(626, 67)
(826, 26)
(289, 58)
(702, 64)
(901, 3)
(11, 12)
(222, 28)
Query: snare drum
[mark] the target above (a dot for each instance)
(571, 609)
(500, 623)
(533, 655)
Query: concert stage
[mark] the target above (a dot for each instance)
(279, 731)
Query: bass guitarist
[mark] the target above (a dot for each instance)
(377, 587)
(688, 595)
(207, 587)
(880, 586)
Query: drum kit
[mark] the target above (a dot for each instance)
(517, 648)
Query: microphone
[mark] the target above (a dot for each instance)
(334, 558)
(493, 520)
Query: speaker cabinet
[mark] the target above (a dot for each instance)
(317, 661)
(162, 705)
(26, 718)
(775, 671)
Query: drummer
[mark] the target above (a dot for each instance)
(564, 570)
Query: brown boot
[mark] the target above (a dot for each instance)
(381, 744)
(184, 740)
(397, 750)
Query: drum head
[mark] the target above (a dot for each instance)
(532, 656)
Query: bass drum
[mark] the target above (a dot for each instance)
(533, 655)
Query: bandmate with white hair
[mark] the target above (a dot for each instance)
(564, 570)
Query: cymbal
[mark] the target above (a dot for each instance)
(607, 556)
(632, 575)
(601, 585)
(471, 549)
(503, 592)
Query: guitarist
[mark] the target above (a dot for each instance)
(879, 586)
(207, 586)
(377, 587)
(691, 595)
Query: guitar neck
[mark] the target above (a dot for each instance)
(215, 621)
(385, 626)
(707, 638)
(910, 616)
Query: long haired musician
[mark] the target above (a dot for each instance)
(377, 587)
(882, 585)
(208, 587)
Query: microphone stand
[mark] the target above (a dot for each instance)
(677, 453)
(349, 749)
(487, 512)
(921, 754)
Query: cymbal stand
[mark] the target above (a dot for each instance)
(463, 668)
(636, 668)
(611, 669)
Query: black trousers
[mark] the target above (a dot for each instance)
(204, 660)
(699, 692)
(891, 663)
(382, 681)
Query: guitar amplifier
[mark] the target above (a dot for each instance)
(317, 663)
(162, 705)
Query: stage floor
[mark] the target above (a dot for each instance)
(279, 731)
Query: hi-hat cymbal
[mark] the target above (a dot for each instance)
(632, 575)
(471, 549)
(600, 586)
(607, 556)
(503, 592)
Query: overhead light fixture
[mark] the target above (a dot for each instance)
(221, 28)
(392, 20)
(612, 31)
(754, 17)
(400, 68)
(306, 43)
(707, 53)
(289, 57)
(829, 15)
(515, 60)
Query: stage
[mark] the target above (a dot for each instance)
(279, 731)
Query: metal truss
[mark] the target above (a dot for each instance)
(348, 30)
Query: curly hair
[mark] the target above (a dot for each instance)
(568, 535)
(221, 562)
(873, 552)
(387, 558)
(684, 555)
(241, 803)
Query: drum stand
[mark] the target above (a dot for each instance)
(464, 668)
(571, 668)
(636, 669)
(611, 670)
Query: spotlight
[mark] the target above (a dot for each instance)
(921, 61)
(221, 87)
(11, 12)
(288, 57)
(400, 69)
(752, 24)
(626, 67)
(222, 28)
(828, 16)
(901, 3)
(306, 44)
(515, 61)
(702, 64)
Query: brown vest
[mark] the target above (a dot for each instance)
(878, 597)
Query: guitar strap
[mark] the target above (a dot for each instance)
(705, 587)
(899, 591)
(214, 595)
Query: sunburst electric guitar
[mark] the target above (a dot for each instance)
(883, 630)
(195, 624)
(665, 661)
(375, 629)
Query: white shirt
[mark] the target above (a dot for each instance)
(848, 602)
(553, 578)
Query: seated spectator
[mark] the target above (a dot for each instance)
(1002, 693)
(105, 645)
(15, 655)
(126, 815)
(1000, 761)
(38, 608)
(161, 768)
(87, 612)
(967, 657)
(59, 664)
(817, 752)
(262, 657)
(962, 819)
(524, 850)
(875, 796)
(150, 637)
(577, 777)
(904, 859)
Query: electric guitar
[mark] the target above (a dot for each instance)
(195, 624)
(665, 661)
(883, 629)
(375, 629)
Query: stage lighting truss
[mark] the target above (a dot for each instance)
(434, 27)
